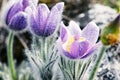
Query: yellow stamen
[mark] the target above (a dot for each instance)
(71, 40)
(81, 39)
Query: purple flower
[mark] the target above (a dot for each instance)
(15, 15)
(76, 43)
(43, 22)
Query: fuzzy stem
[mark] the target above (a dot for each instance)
(74, 75)
(43, 46)
(10, 55)
(94, 70)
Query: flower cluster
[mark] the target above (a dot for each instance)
(73, 42)
(42, 21)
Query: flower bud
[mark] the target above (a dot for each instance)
(43, 22)
(15, 16)
(110, 35)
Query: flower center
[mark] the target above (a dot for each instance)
(71, 40)
(81, 39)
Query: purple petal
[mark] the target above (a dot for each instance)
(78, 49)
(74, 28)
(63, 33)
(35, 28)
(18, 22)
(91, 50)
(43, 12)
(25, 3)
(53, 20)
(12, 11)
(33, 2)
(91, 32)
(60, 6)
(68, 55)
(61, 50)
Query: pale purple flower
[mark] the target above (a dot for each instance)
(43, 22)
(76, 43)
(15, 16)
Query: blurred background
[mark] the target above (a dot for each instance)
(101, 12)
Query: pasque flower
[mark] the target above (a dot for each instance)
(15, 16)
(44, 22)
(76, 43)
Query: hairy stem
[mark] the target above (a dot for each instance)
(10, 56)
(74, 75)
(92, 75)
(43, 48)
